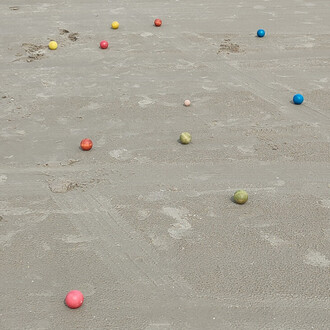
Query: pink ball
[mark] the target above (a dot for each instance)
(104, 44)
(187, 103)
(74, 299)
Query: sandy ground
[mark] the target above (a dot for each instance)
(142, 225)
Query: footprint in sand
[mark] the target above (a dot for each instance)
(61, 185)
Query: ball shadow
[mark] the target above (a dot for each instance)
(184, 144)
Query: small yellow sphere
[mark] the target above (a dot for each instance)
(52, 45)
(240, 197)
(185, 138)
(115, 25)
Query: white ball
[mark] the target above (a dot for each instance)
(187, 103)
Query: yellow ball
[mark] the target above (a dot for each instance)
(52, 45)
(240, 197)
(185, 138)
(115, 25)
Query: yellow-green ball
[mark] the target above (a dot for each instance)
(240, 197)
(115, 25)
(185, 138)
(52, 45)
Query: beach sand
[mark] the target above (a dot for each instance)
(146, 227)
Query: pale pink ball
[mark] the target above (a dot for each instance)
(187, 103)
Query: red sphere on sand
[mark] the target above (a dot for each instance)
(158, 22)
(86, 144)
(74, 299)
(104, 44)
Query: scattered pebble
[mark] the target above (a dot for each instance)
(187, 103)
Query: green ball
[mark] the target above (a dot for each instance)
(185, 138)
(240, 197)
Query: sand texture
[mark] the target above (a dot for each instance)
(144, 226)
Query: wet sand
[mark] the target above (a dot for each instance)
(144, 226)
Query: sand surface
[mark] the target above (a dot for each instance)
(144, 226)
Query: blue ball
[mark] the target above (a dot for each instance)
(298, 99)
(261, 33)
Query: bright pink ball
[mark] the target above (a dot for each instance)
(104, 44)
(74, 299)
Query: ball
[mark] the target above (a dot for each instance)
(240, 197)
(185, 138)
(74, 299)
(86, 144)
(187, 103)
(104, 44)
(158, 22)
(298, 99)
(52, 45)
(261, 33)
(115, 25)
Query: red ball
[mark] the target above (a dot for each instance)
(158, 22)
(74, 299)
(86, 144)
(104, 44)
